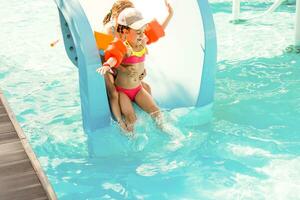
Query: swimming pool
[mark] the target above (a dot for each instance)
(250, 150)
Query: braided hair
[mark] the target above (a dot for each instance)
(116, 9)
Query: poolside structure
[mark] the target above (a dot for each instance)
(297, 25)
(294, 48)
(21, 176)
(236, 9)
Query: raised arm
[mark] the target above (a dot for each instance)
(170, 15)
(155, 30)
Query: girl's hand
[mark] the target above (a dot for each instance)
(169, 7)
(102, 70)
(142, 76)
(168, 18)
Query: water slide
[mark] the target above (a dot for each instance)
(180, 67)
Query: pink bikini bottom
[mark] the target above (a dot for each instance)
(131, 93)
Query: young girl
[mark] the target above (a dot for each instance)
(111, 24)
(131, 26)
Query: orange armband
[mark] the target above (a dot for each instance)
(117, 50)
(154, 31)
(103, 40)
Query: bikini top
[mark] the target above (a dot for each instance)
(136, 56)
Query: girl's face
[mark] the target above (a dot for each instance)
(136, 37)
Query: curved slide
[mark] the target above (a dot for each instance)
(180, 67)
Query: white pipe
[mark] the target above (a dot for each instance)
(273, 7)
(297, 26)
(235, 9)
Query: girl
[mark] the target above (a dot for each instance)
(131, 26)
(110, 24)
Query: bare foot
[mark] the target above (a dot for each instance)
(129, 132)
(159, 120)
(130, 127)
(127, 129)
(122, 125)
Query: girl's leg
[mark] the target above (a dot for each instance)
(147, 87)
(147, 103)
(127, 110)
(113, 96)
(144, 84)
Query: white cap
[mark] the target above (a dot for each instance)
(132, 18)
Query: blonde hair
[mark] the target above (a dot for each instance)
(116, 9)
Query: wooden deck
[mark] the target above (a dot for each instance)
(21, 176)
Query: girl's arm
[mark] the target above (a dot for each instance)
(170, 15)
(113, 55)
(107, 66)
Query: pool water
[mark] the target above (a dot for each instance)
(250, 149)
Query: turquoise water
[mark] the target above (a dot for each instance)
(250, 150)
